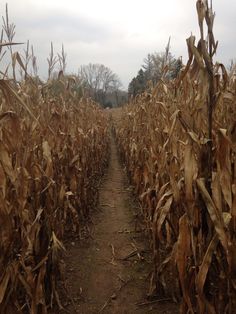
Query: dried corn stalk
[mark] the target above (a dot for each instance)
(53, 151)
(178, 144)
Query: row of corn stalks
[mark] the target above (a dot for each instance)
(188, 192)
(53, 149)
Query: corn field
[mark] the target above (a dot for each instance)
(177, 141)
(52, 153)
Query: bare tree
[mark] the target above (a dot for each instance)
(99, 80)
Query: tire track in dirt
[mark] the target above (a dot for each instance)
(104, 273)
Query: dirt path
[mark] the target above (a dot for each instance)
(101, 276)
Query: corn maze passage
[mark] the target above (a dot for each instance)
(176, 136)
(110, 272)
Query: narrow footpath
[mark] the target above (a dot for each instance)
(110, 271)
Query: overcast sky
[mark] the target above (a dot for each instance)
(118, 34)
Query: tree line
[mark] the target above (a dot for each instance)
(156, 66)
(102, 85)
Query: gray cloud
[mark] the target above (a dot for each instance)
(115, 43)
(61, 26)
